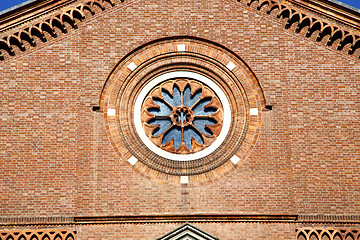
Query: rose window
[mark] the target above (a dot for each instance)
(182, 116)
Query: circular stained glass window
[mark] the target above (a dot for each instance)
(182, 115)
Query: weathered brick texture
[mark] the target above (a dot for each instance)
(57, 160)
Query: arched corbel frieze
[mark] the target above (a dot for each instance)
(37, 30)
(337, 35)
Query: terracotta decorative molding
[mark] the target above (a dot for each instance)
(54, 234)
(335, 33)
(49, 24)
(327, 234)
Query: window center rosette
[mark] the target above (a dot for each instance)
(182, 116)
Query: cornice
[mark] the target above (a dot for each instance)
(339, 36)
(331, 10)
(29, 23)
(30, 12)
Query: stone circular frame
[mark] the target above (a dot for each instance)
(234, 84)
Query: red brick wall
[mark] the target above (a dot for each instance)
(57, 160)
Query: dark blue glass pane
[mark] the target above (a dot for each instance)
(174, 100)
(189, 134)
(164, 124)
(188, 100)
(200, 109)
(200, 123)
(164, 110)
(174, 132)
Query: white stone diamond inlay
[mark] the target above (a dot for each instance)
(235, 159)
(132, 160)
(111, 112)
(181, 48)
(184, 179)
(132, 66)
(230, 66)
(254, 111)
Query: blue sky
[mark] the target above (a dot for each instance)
(5, 4)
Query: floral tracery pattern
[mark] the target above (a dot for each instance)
(182, 116)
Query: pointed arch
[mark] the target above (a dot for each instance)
(325, 235)
(347, 39)
(26, 36)
(301, 236)
(337, 34)
(7, 47)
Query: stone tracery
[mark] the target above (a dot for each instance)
(182, 116)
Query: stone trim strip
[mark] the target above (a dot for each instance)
(337, 35)
(186, 218)
(54, 234)
(49, 25)
(327, 234)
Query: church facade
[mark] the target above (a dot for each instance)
(180, 120)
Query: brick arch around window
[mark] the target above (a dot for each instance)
(197, 57)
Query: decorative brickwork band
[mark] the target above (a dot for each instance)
(49, 24)
(327, 234)
(329, 218)
(313, 24)
(38, 235)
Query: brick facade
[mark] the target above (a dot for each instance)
(60, 170)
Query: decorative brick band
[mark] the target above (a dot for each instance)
(329, 218)
(302, 20)
(36, 220)
(49, 25)
(327, 234)
(54, 234)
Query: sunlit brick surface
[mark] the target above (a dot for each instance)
(57, 158)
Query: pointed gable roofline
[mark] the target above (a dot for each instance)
(328, 10)
(45, 16)
(185, 232)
